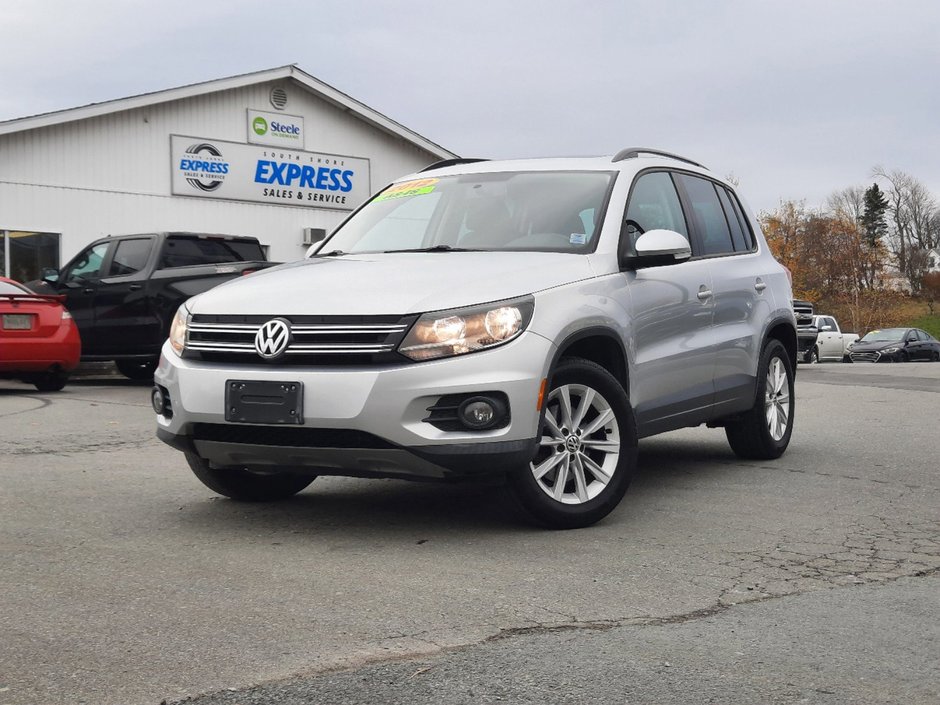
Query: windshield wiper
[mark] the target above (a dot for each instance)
(435, 248)
(334, 253)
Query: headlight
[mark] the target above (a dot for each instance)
(178, 329)
(459, 331)
(890, 351)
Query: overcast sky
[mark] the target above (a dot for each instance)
(796, 98)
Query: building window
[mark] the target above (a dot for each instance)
(23, 254)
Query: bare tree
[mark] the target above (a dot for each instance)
(848, 203)
(914, 223)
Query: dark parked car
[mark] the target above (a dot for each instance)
(896, 345)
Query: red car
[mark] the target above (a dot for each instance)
(39, 341)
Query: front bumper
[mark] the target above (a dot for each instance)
(874, 356)
(361, 421)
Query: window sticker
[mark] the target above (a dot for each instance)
(577, 238)
(418, 187)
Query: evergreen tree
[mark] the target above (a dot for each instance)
(873, 220)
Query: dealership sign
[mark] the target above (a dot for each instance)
(276, 129)
(244, 172)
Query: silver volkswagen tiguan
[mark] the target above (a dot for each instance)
(526, 319)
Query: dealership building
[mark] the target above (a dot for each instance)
(276, 154)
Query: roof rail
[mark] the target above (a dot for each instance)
(451, 162)
(634, 152)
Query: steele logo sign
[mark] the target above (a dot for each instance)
(275, 129)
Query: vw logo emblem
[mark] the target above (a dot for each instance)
(272, 338)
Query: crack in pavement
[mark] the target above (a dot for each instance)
(872, 551)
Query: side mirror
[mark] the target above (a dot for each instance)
(657, 248)
(824, 328)
(49, 275)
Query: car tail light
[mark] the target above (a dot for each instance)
(66, 316)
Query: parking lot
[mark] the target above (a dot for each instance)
(813, 578)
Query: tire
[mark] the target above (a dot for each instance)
(813, 356)
(135, 369)
(763, 432)
(246, 486)
(572, 483)
(935, 357)
(51, 381)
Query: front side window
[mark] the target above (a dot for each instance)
(87, 264)
(504, 211)
(130, 256)
(654, 205)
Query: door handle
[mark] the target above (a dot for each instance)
(89, 290)
(134, 287)
(759, 285)
(703, 293)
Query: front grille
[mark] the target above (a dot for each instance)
(865, 357)
(245, 434)
(315, 340)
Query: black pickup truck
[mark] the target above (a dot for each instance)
(806, 331)
(123, 291)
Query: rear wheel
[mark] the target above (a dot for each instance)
(51, 381)
(764, 431)
(813, 356)
(247, 486)
(587, 450)
(136, 369)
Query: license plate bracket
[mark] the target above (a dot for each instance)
(17, 321)
(255, 401)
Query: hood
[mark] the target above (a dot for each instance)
(391, 283)
(859, 346)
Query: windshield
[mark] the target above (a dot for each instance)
(521, 211)
(885, 335)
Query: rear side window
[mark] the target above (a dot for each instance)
(8, 288)
(184, 251)
(708, 215)
(130, 256)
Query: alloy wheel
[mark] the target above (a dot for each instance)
(580, 445)
(777, 399)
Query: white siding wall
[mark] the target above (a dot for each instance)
(111, 174)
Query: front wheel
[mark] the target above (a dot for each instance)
(587, 450)
(247, 486)
(813, 356)
(763, 432)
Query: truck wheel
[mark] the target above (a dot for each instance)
(764, 431)
(135, 369)
(51, 381)
(245, 485)
(813, 356)
(587, 451)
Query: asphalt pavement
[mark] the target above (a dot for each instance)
(813, 578)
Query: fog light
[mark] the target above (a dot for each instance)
(480, 413)
(157, 400)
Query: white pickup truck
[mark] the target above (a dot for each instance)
(831, 343)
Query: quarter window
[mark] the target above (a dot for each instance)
(738, 239)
